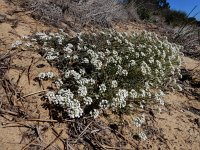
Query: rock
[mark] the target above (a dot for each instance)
(2, 17)
(11, 18)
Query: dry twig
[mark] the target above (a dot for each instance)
(53, 140)
(42, 120)
(32, 94)
(83, 132)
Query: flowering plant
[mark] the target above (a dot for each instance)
(108, 70)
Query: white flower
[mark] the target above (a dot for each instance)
(87, 100)
(97, 63)
(122, 94)
(119, 70)
(119, 59)
(141, 105)
(75, 57)
(69, 45)
(143, 54)
(101, 55)
(94, 46)
(92, 54)
(48, 57)
(159, 64)
(85, 60)
(148, 94)
(94, 34)
(108, 42)
(162, 102)
(118, 40)
(145, 68)
(82, 90)
(76, 75)
(79, 48)
(92, 81)
(82, 71)
(138, 121)
(97, 96)
(161, 93)
(17, 43)
(83, 81)
(49, 75)
(142, 136)
(147, 86)
(179, 88)
(51, 96)
(111, 60)
(104, 104)
(94, 113)
(120, 100)
(137, 55)
(119, 34)
(114, 84)
(159, 97)
(66, 93)
(41, 75)
(133, 93)
(85, 47)
(132, 63)
(59, 83)
(118, 103)
(126, 41)
(28, 44)
(67, 74)
(142, 93)
(33, 39)
(68, 50)
(102, 32)
(75, 113)
(125, 72)
(102, 88)
(25, 37)
(115, 53)
(107, 52)
(151, 60)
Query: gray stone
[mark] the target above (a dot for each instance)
(2, 17)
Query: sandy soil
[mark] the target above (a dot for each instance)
(176, 127)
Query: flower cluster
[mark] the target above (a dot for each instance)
(142, 136)
(108, 69)
(45, 75)
(138, 121)
(16, 44)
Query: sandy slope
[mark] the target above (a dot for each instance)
(177, 126)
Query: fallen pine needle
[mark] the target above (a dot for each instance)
(41, 120)
(53, 140)
(31, 94)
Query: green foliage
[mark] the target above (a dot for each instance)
(162, 8)
(175, 18)
(144, 13)
(163, 4)
(107, 70)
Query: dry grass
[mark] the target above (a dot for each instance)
(102, 13)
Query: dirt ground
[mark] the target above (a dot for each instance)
(26, 123)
